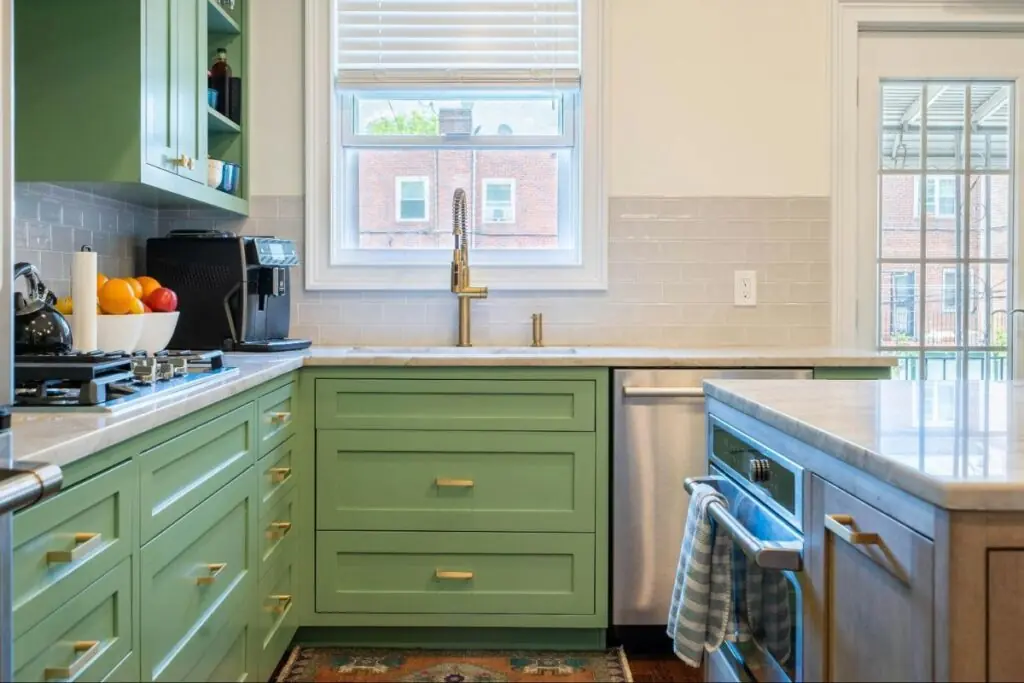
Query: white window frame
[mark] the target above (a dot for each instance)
(493, 182)
(854, 246)
(425, 182)
(936, 182)
(946, 288)
(587, 270)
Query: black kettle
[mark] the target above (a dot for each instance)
(38, 326)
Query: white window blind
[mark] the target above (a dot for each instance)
(451, 41)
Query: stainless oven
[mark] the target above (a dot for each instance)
(764, 491)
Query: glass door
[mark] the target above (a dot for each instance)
(939, 187)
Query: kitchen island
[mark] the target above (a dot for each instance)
(910, 500)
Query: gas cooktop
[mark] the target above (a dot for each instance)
(105, 382)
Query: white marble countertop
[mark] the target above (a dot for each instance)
(63, 437)
(957, 445)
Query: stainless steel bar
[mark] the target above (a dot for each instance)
(19, 488)
(783, 556)
(663, 392)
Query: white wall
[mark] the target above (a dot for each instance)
(707, 98)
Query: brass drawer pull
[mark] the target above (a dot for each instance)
(283, 603)
(86, 651)
(280, 418)
(84, 545)
(454, 483)
(214, 570)
(452, 576)
(279, 474)
(185, 161)
(279, 530)
(840, 525)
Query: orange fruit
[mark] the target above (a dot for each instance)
(101, 280)
(135, 306)
(149, 285)
(136, 286)
(116, 297)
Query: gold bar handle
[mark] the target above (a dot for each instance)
(283, 603)
(280, 418)
(84, 545)
(279, 474)
(278, 530)
(841, 526)
(86, 651)
(452, 576)
(214, 570)
(454, 483)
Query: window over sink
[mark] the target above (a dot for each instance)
(498, 97)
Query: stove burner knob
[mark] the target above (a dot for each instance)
(759, 470)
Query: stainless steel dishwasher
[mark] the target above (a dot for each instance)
(659, 440)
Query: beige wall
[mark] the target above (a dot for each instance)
(708, 98)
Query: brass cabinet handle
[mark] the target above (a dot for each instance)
(84, 545)
(454, 483)
(279, 530)
(280, 418)
(86, 651)
(452, 576)
(214, 570)
(840, 525)
(283, 603)
(279, 474)
(185, 161)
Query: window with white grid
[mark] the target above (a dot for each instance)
(497, 97)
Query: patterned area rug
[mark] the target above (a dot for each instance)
(337, 665)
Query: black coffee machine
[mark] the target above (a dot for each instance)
(233, 292)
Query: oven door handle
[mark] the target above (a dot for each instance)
(19, 488)
(778, 555)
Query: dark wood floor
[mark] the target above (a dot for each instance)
(662, 669)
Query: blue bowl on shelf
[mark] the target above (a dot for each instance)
(211, 97)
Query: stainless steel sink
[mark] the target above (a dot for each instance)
(460, 350)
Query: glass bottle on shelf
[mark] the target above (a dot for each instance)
(220, 80)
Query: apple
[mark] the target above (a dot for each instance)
(146, 307)
(162, 300)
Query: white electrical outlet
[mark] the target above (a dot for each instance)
(746, 288)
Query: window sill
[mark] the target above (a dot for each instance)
(438, 278)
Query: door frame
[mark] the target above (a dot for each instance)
(852, 327)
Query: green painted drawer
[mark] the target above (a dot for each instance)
(484, 404)
(100, 615)
(229, 658)
(184, 596)
(125, 672)
(277, 535)
(43, 580)
(277, 417)
(278, 618)
(455, 481)
(853, 373)
(398, 572)
(276, 475)
(179, 474)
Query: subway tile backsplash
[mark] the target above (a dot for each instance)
(52, 222)
(670, 281)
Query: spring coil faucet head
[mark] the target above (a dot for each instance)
(459, 211)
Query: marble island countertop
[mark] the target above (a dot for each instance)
(63, 437)
(957, 445)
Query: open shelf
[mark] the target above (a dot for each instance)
(219, 21)
(218, 123)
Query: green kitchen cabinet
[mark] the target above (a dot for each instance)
(113, 94)
(853, 373)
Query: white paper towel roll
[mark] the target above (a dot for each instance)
(83, 295)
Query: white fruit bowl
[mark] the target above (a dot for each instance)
(157, 330)
(115, 332)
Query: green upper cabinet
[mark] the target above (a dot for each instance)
(115, 94)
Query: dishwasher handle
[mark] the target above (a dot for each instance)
(663, 392)
(20, 488)
(778, 555)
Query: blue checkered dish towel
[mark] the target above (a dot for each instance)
(701, 615)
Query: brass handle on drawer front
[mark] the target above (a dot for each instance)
(283, 603)
(215, 570)
(88, 650)
(280, 418)
(185, 161)
(454, 483)
(84, 544)
(453, 576)
(840, 526)
(279, 529)
(279, 474)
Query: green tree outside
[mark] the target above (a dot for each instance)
(414, 123)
